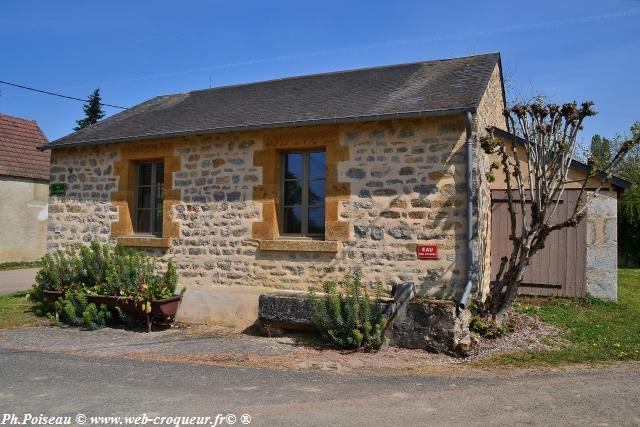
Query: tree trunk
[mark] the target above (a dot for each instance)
(500, 301)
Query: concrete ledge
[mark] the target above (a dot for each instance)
(144, 242)
(298, 245)
(233, 307)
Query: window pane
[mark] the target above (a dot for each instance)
(144, 197)
(144, 174)
(317, 165)
(316, 192)
(292, 221)
(160, 172)
(316, 220)
(293, 166)
(143, 224)
(157, 225)
(159, 193)
(159, 196)
(292, 193)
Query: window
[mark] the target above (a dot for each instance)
(149, 194)
(303, 193)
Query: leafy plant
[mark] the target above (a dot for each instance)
(488, 328)
(58, 270)
(349, 320)
(101, 270)
(485, 326)
(74, 309)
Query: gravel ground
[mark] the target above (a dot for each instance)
(221, 347)
(529, 333)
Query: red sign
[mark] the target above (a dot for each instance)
(427, 251)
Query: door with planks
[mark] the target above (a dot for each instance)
(559, 268)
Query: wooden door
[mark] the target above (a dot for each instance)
(559, 268)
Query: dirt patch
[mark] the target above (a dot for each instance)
(389, 359)
(223, 347)
(307, 353)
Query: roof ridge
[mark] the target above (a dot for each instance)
(18, 118)
(330, 73)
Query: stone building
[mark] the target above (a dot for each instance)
(286, 183)
(24, 190)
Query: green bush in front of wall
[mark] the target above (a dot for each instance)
(350, 319)
(74, 310)
(99, 269)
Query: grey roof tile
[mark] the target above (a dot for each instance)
(388, 91)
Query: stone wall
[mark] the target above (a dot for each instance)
(86, 212)
(23, 219)
(406, 181)
(489, 113)
(602, 246)
(408, 188)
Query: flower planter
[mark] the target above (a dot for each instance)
(162, 310)
(52, 296)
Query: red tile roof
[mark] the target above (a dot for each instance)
(18, 154)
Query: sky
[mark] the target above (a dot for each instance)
(135, 50)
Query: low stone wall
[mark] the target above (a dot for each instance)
(429, 325)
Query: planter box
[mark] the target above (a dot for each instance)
(161, 310)
(52, 296)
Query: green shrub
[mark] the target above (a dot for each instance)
(74, 310)
(100, 270)
(59, 270)
(349, 320)
(488, 328)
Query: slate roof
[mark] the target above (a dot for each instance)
(421, 88)
(18, 154)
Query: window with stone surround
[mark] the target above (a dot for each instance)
(149, 197)
(270, 193)
(302, 206)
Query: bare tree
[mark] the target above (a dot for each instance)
(536, 160)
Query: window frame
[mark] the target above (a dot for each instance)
(306, 179)
(153, 189)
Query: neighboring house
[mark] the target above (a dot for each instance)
(24, 190)
(289, 182)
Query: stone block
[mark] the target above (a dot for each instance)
(290, 311)
(435, 326)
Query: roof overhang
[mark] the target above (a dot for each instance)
(259, 126)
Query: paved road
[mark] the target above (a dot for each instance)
(16, 280)
(60, 384)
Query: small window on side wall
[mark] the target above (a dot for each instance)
(303, 194)
(148, 197)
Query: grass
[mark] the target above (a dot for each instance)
(20, 265)
(16, 311)
(597, 331)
